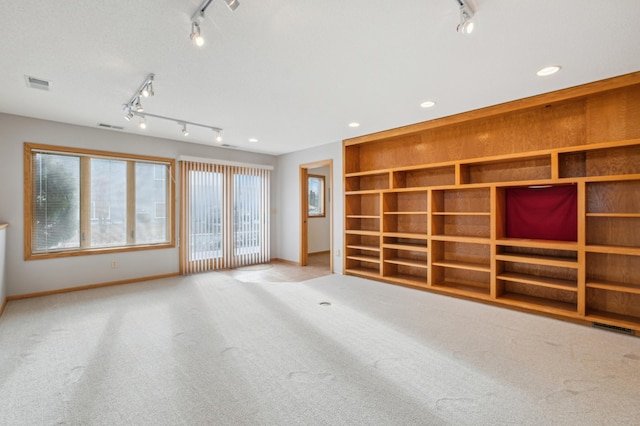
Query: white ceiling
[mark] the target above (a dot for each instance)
(294, 73)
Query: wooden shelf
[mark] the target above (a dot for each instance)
(363, 247)
(461, 214)
(539, 260)
(363, 258)
(407, 280)
(460, 239)
(401, 213)
(539, 281)
(614, 286)
(364, 272)
(406, 235)
(362, 216)
(462, 265)
(363, 192)
(407, 247)
(631, 251)
(539, 304)
(407, 262)
(543, 244)
(620, 215)
(358, 232)
(462, 288)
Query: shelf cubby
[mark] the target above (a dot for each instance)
(525, 168)
(366, 181)
(424, 177)
(621, 231)
(465, 200)
(362, 205)
(607, 161)
(363, 222)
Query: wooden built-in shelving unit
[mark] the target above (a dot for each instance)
(425, 204)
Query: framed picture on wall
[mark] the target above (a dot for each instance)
(316, 195)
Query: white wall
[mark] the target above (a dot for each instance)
(288, 200)
(25, 277)
(318, 236)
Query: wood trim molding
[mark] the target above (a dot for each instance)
(90, 286)
(574, 92)
(4, 305)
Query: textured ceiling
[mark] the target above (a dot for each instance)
(293, 74)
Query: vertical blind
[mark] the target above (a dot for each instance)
(224, 216)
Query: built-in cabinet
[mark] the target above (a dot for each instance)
(448, 225)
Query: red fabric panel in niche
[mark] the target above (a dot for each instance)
(543, 213)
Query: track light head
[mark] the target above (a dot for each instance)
(147, 90)
(185, 132)
(232, 4)
(196, 36)
(467, 10)
(219, 136)
(137, 106)
(143, 123)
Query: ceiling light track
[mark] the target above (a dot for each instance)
(133, 108)
(182, 123)
(198, 17)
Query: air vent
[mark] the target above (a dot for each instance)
(109, 126)
(226, 145)
(613, 328)
(37, 83)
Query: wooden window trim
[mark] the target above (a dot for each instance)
(85, 200)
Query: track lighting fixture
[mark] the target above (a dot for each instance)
(232, 4)
(137, 106)
(196, 37)
(467, 10)
(134, 108)
(147, 90)
(198, 16)
(134, 105)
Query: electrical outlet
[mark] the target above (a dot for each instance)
(338, 253)
(114, 264)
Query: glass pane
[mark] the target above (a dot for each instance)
(56, 202)
(246, 214)
(151, 203)
(206, 215)
(108, 202)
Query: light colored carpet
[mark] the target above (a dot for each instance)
(209, 349)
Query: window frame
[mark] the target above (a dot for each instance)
(30, 149)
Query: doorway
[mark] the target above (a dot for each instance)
(316, 213)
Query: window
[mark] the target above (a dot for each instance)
(315, 186)
(86, 202)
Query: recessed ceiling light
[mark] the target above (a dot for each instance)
(428, 104)
(548, 70)
(354, 124)
(253, 140)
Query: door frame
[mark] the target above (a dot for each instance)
(304, 210)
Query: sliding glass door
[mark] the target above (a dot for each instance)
(224, 216)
